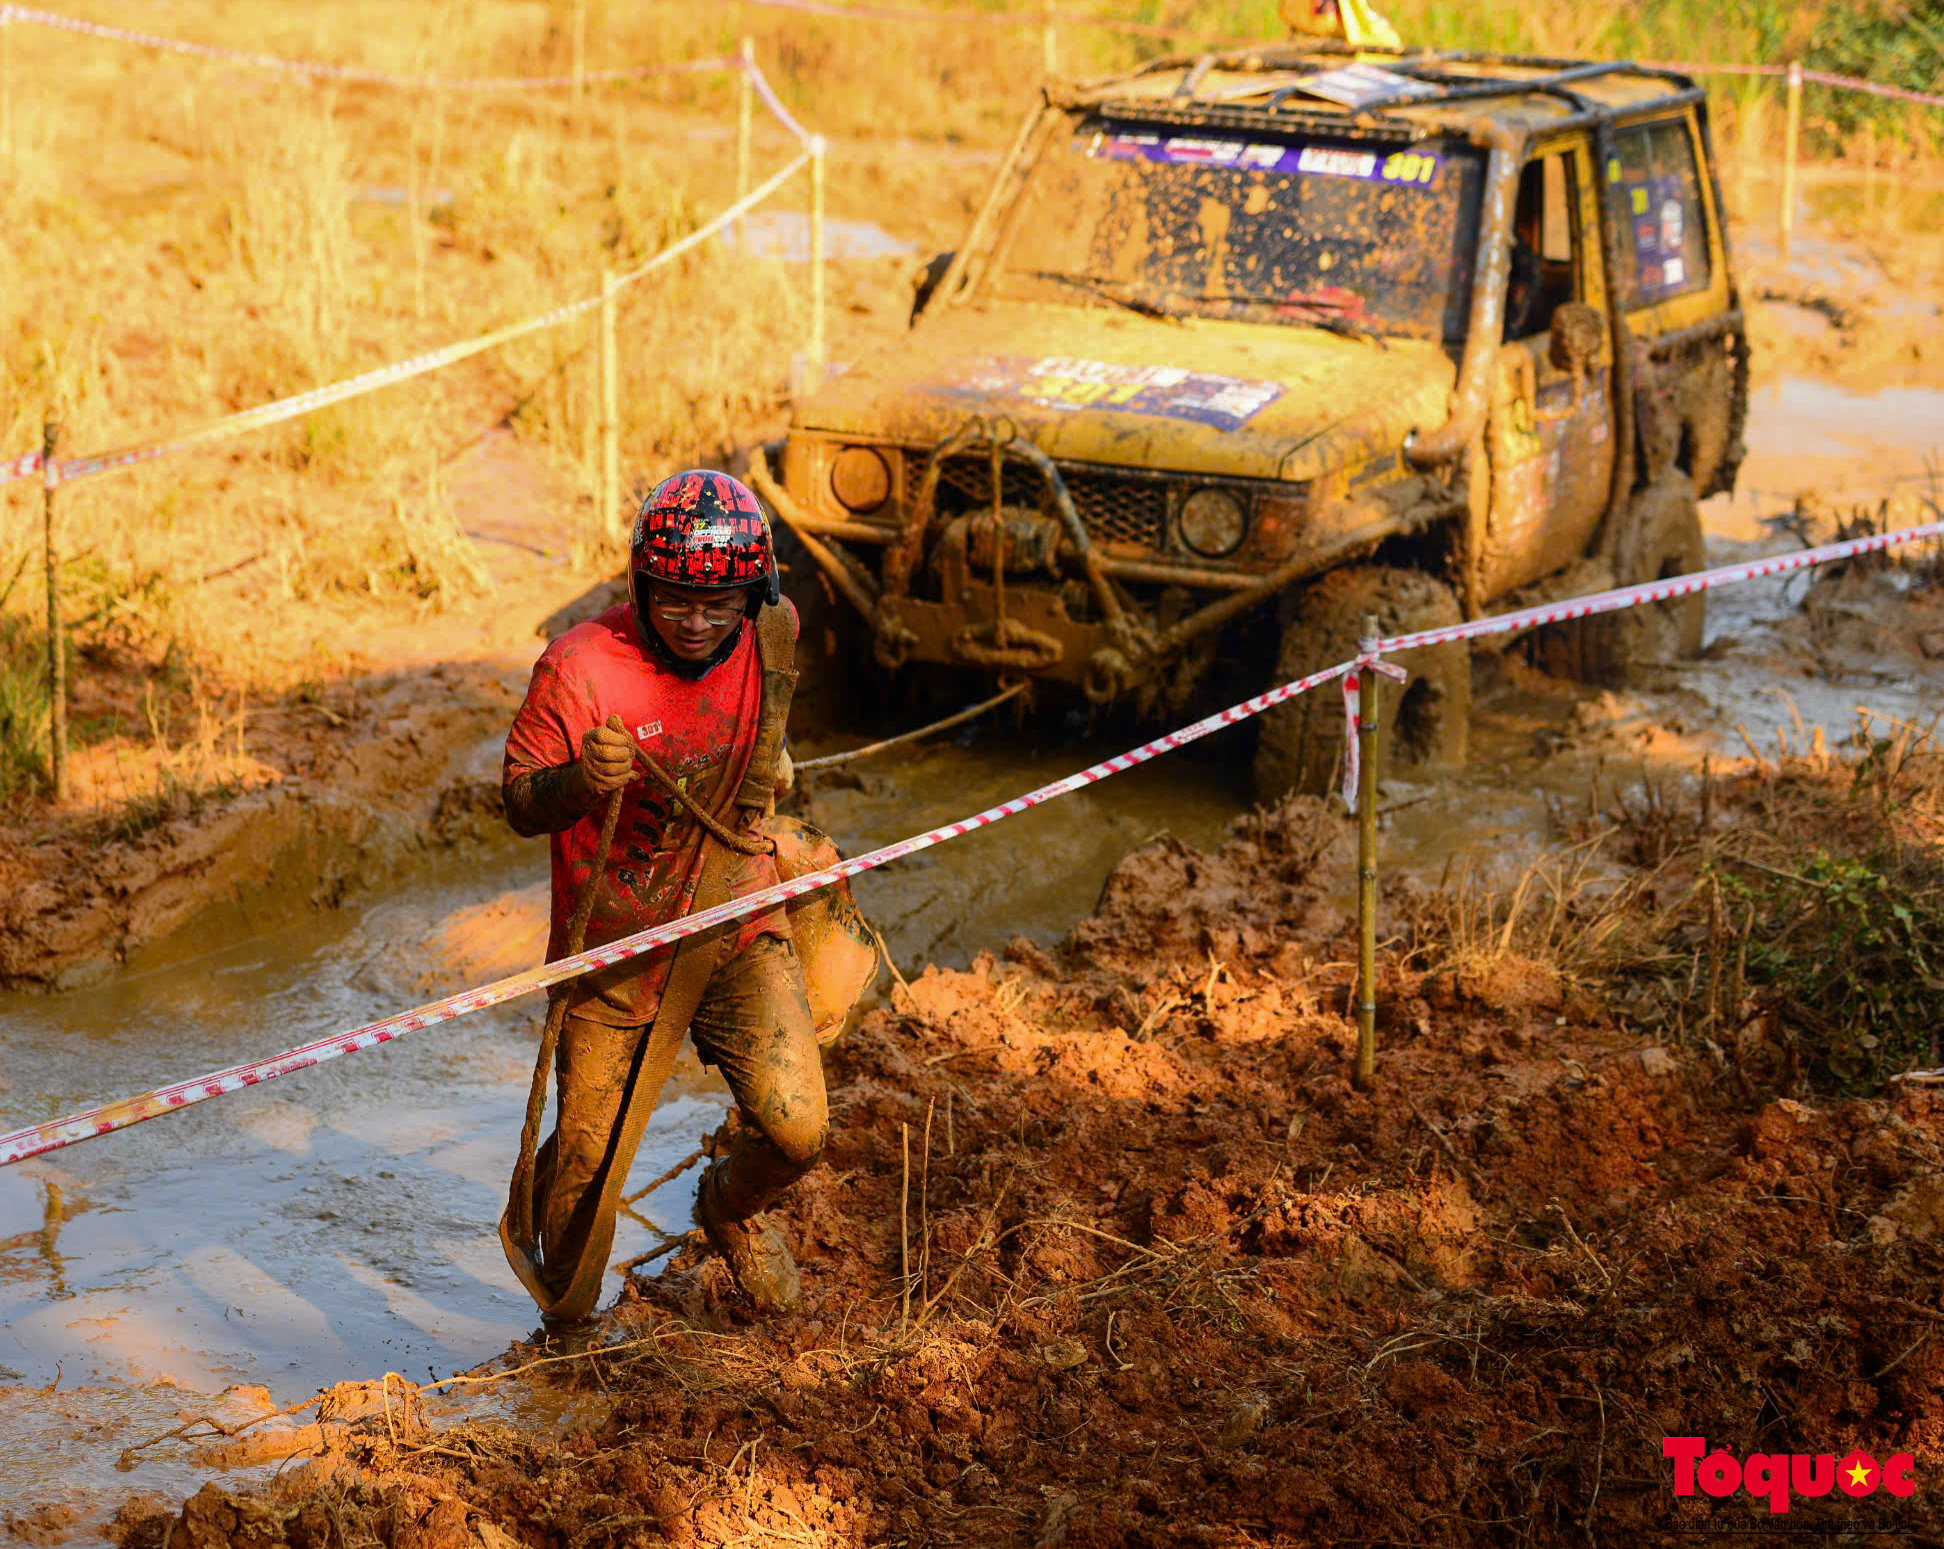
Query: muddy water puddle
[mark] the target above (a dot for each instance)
(1848, 446)
(334, 1224)
(341, 1222)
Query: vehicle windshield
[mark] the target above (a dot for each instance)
(1356, 238)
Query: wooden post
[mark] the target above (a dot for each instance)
(1791, 135)
(1869, 167)
(745, 101)
(6, 84)
(816, 362)
(56, 646)
(580, 49)
(1751, 127)
(745, 95)
(610, 415)
(1369, 749)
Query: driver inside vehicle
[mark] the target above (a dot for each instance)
(1539, 280)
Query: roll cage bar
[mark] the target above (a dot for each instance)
(1282, 109)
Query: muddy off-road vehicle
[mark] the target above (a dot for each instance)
(1243, 347)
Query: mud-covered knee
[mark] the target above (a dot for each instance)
(800, 1141)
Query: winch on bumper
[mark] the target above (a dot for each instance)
(1009, 577)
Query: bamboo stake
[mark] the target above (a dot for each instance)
(6, 85)
(904, 1227)
(580, 49)
(610, 414)
(56, 648)
(924, 1209)
(1367, 704)
(816, 263)
(1751, 129)
(1791, 136)
(415, 218)
(1869, 167)
(745, 98)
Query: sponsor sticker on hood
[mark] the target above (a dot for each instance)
(1068, 384)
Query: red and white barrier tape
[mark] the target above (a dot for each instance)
(775, 104)
(68, 469)
(1015, 19)
(40, 1138)
(1153, 30)
(37, 1139)
(1353, 715)
(1812, 77)
(1893, 93)
(338, 72)
(1658, 591)
(991, 18)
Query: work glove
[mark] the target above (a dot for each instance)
(607, 758)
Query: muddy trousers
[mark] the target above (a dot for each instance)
(754, 1025)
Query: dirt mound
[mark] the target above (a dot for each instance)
(362, 780)
(1106, 1249)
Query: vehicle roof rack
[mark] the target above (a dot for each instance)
(1286, 104)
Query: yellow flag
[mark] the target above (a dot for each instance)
(1355, 21)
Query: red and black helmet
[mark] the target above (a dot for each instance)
(702, 528)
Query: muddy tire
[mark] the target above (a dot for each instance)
(831, 657)
(1426, 719)
(1619, 649)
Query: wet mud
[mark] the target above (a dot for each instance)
(1173, 1281)
(1463, 1308)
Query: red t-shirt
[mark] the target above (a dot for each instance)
(703, 732)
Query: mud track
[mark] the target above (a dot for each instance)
(1171, 1280)
(370, 776)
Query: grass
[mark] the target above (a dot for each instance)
(1790, 916)
(186, 239)
(246, 238)
(23, 708)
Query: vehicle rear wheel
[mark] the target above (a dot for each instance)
(1426, 720)
(1618, 648)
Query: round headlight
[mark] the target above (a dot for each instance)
(1212, 523)
(860, 479)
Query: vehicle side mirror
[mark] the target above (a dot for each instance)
(925, 282)
(1578, 332)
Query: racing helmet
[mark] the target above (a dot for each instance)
(702, 528)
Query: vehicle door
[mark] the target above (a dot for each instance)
(1549, 437)
(1672, 284)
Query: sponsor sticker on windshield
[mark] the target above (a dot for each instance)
(1068, 383)
(1418, 167)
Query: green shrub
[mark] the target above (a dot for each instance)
(1847, 954)
(23, 708)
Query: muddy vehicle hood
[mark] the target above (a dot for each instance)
(1086, 385)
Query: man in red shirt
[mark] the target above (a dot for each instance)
(675, 673)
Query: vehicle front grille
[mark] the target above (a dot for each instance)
(1112, 509)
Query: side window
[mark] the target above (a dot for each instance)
(1545, 269)
(1653, 190)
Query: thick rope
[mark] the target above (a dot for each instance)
(832, 760)
(742, 844)
(521, 1199)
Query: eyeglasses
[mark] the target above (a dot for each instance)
(677, 612)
